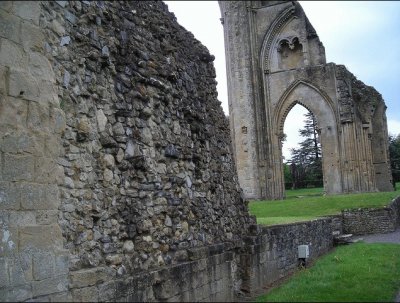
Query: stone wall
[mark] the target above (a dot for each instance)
(116, 176)
(365, 221)
(272, 252)
(148, 168)
(115, 152)
(33, 261)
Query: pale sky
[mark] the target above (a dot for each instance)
(362, 35)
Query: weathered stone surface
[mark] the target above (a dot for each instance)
(291, 69)
(43, 266)
(36, 196)
(32, 236)
(133, 174)
(27, 11)
(9, 26)
(9, 196)
(92, 276)
(23, 84)
(18, 168)
(142, 167)
(12, 54)
(51, 285)
(86, 294)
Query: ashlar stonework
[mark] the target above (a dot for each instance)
(275, 60)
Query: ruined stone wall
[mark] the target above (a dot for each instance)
(282, 63)
(365, 221)
(115, 154)
(33, 261)
(364, 136)
(272, 252)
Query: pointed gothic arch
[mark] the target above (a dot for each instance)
(321, 106)
(275, 60)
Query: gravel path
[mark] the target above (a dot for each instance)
(393, 237)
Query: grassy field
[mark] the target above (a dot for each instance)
(306, 204)
(353, 273)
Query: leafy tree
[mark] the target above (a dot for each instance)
(394, 152)
(306, 164)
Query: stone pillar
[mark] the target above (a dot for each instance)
(241, 94)
(33, 263)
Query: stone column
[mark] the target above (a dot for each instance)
(33, 264)
(241, 95)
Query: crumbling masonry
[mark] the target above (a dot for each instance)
(275, 60)
(117, 181)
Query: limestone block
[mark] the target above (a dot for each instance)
(4, 276)
(38, 117)
(3, 79)
(24, 85)
(16, 142)
(9, 196)
(18, 168)
(31, 37)
(12, 54)
(46, 217)
(39, 67)
(36, 196)
(87, 294)
(6, 5)
(21, 218)
(43, 265)
(62, 263)
(16, 294)
(13, 112)
(48, 93)
(61, 297)
(45, 170)
(53, 147)
(9, 26)
(57, 120)
(50, 286)
(20, 270)
(44, 237)
(91, 276)
(28, 10)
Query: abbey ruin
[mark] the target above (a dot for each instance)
(117, 177)
(275, 60)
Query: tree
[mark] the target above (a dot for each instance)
(306, 161)
(394, 152)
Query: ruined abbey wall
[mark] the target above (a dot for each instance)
(147, 162)
(275, 60)
(115, 152)
(117, 181)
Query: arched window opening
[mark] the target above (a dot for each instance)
(301, 149)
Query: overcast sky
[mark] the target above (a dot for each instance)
(362, 35)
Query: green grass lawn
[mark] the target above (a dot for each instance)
(353, 273)
(306, 204)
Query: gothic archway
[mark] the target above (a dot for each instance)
(318, 103)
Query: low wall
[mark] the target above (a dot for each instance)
(208, 277)
(214, 273)
(218, 272)
(365, 221)
(272, 253)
